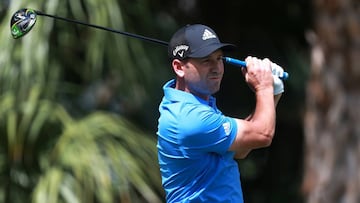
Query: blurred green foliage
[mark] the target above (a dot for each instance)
(69, 97)
(78, 106)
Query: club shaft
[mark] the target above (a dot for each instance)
(229, 60)
(240, 63)
(104, 28)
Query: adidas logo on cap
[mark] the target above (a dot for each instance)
(208, 35)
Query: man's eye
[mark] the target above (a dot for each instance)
(204, 61)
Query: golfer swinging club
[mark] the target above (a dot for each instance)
(197, 144)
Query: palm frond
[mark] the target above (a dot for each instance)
(107, 154)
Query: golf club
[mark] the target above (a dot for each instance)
(24, 20)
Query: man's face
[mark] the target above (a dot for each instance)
(203, 76)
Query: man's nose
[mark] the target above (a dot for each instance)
(217, 66)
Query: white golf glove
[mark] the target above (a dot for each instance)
(278, 85)
(277, 72)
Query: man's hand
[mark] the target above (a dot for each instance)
(258, 73)
(278, 85)
(277, 71)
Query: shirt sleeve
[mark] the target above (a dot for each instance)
(203, 129)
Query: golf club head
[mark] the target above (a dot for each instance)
(21, 22)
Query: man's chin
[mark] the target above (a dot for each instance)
(215, 89)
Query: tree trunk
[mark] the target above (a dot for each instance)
(332, 129)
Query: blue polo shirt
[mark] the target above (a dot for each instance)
(193, 142)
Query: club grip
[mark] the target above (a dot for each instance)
(240, 63)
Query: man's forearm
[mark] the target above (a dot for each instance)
(277, 98)
(276, 101)
(241, 154)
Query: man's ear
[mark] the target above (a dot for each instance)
(178, 67)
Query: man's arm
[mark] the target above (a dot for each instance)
(258, 129)
(242, 153)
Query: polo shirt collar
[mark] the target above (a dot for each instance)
(174, 95)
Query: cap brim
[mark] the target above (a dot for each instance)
(207, 50)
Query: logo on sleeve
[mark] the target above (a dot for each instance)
(226, 127)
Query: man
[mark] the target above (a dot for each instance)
(197, 144)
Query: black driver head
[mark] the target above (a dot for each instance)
(22, 21)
